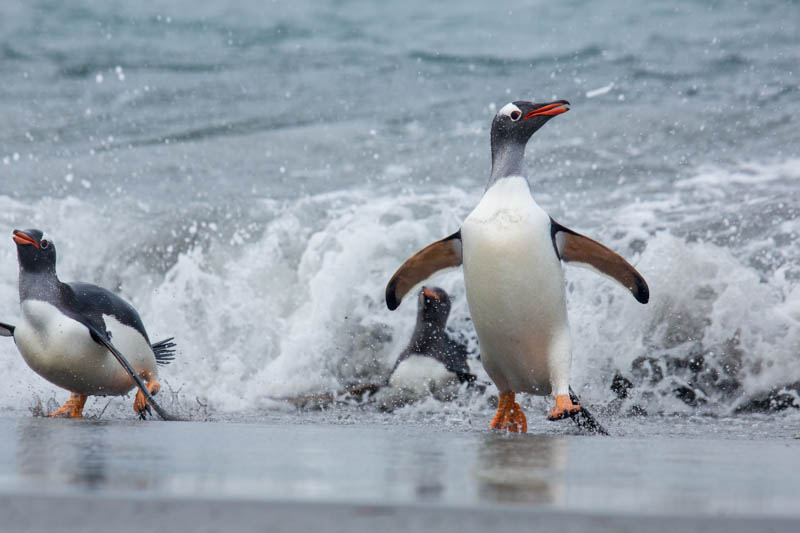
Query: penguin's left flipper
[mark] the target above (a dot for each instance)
(584, 418)
(573, 247)
(6, 330)
(102, 338)
(439, 255)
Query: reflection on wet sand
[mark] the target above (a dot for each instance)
(75, 453)
(48, 451)
(522, 469)
(430, 479)
(397, 464)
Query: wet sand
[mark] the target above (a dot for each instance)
(284, 474)
(87, 515)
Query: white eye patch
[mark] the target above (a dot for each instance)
(511, 111)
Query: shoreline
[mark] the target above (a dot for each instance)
(90, 512)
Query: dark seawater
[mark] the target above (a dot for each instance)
(249, 175)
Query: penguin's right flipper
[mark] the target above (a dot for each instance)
(442, 254)
(102, 338)
(6, 330)
(584, 418)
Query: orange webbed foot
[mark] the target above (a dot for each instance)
(140, 403)
(72, 408)
(502, 408)
(509, 416)
(563, 408)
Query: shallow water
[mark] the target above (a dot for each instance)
(249, 176)
(391, 464)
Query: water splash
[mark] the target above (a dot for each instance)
(293, 303)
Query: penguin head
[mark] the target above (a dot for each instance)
(35, 253)
(517, 121)
(434, 305)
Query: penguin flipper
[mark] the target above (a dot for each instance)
(573, 247)
(102, 339)
(442, 254)
(6, 330)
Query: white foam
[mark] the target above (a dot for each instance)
(291, 300)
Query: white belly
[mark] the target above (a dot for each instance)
(515, 291)
(62, 351)
(416, 378)
(420, 375)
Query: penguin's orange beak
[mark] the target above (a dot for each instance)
(430, 294)
(549, 110)
(21, 238)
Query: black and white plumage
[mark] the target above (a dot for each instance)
(80, 336)
(512, 253)
(432, 362)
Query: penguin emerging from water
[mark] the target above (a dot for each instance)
(512, 251)
(75, 334)
(432, 363)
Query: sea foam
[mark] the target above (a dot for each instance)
(293, 304)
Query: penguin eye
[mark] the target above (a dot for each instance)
(44, 243)
(515, 115)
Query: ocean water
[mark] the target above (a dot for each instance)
(250, 175)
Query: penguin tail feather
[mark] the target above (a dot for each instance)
(584, 418)
(164, 351)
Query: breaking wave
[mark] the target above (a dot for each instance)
(291, 302)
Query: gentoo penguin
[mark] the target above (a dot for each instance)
(75, 334)
(512, 251)
(432, 362)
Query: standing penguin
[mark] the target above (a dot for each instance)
(512, 253)
(75, 334)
